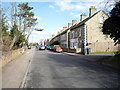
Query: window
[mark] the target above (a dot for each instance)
(73, 45)
(72, 34)
(79, 32)
(101, 19)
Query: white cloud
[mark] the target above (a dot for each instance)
(37, 17)
(51, 6)
(64, 5)
(78, 5)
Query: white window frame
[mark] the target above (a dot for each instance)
(101, 19)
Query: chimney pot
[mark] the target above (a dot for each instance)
(92, 10)
(82, 17)
(74, 22)
(69, 25)
(65, 27)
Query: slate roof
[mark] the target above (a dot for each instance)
(79, 24)
(85, 20)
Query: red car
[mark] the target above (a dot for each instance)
(57, 48)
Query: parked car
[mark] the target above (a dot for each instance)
(29, 47)
(47, 47)
(50, 48)
(41, 47)
(57, 48)
(37, 46)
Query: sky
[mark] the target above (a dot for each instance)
(53, 15)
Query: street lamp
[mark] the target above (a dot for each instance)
(38, 29)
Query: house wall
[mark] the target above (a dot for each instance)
(76, 39)
(98, 42)
(72, 40)
(94, 27)
(63, 41)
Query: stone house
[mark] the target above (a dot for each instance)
(63, 38)
(87, 34)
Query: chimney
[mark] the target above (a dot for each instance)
(69, 25)
(92, 10)
(82, 17)
(64, 28)
(74, 22)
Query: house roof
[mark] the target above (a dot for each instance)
(85, 20)
(79, 24)
(62, 32)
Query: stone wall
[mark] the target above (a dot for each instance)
(104, 47)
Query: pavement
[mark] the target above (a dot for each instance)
(13, 73)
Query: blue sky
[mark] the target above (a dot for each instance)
(52, 16)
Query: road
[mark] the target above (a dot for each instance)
(57, 70)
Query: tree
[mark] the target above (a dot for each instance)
(4, 34)
(26, 20)
(12, 35)
(14, 28)
(19, 42)
(1, 41)
(111, 25)
(4, 25)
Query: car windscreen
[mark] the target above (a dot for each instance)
(42, 46)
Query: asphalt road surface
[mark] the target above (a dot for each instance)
(57, 70)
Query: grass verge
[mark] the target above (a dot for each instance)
(113, 61)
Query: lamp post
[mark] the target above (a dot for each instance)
(38, 29)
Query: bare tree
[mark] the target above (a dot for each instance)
(108, 4)
(13, 22)
(25, 20)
